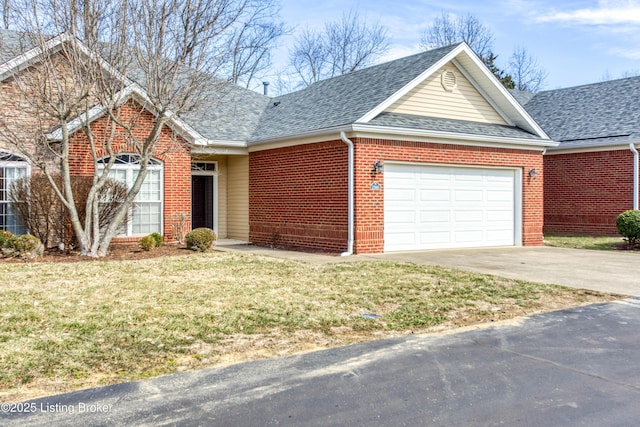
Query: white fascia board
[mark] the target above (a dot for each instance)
(496, 85)
(593, 149)
(482, 92)
(454, 138)
(132, 91)
(219, 150)
(27, 58)
(254, 145)
(412, 84)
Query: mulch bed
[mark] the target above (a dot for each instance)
(117, 251)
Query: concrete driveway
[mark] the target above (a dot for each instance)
(609, 271)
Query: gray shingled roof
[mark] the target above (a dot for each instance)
(229, 112)
(451, 125)
(342, 100)
(13, 43)
(597, 114)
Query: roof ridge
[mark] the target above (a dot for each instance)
(591, 84)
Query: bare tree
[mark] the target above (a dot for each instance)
(449, 29)
(342, 48)
(309, 57)
(253, 39)
(525, 71)
(625, 74)
(6, 13)
(161, 53)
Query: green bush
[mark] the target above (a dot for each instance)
(147, 243)
(4, 236)
(628, 224)
(157, 237)
(200, 239)
(25, 245)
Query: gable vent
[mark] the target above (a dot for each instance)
(449, 80)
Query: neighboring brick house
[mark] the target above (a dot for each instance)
(591, 177)
(428, 151)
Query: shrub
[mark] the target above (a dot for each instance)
(41, 211)
(157, 238)
(147, 243)
(25, 245)
(628, 224)
(4, 236)
(200, 239)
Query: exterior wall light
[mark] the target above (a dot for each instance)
(377, 167)
(533, 174)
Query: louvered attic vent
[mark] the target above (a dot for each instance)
(449, 80)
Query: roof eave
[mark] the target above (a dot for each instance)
(457, 138)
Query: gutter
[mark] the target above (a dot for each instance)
(351, 192)
(633, 149)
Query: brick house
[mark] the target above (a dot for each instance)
(427, 151)
(592, 175)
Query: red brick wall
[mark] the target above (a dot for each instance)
(585, 192)
(298, 196)
(369, 226)
(172, 150)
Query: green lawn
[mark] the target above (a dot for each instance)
(69, 325)
(582, 242)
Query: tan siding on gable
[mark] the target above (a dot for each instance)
(464, 102)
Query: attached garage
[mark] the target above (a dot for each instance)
(434, 207)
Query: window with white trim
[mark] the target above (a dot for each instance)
(146, 217)
(12, 168)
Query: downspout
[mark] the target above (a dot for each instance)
(351, 197)
(632, 147)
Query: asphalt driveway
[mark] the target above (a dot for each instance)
(578, 367)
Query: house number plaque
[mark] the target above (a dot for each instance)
(375, 185)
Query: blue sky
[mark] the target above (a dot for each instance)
(576, 42)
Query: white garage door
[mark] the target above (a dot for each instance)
(430, 207)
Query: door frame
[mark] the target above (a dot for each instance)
(214, 174)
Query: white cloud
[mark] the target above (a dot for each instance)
(608, 12)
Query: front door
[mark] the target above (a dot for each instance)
(202, 212)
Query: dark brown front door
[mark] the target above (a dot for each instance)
(201, 201)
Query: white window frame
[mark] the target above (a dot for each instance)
(15, 164)
(129, 168)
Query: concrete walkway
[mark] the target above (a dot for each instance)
(608, 271)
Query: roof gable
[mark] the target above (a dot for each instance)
(447, 94)
(470, 65)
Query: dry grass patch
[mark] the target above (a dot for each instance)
(586, 242)
(66, 326)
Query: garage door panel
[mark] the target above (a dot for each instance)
(401, 217)
(443, 195)
(469, 236)
(500, 195)
(500, 216)
(432, 216)
(440, 238)
(444, 207)
(468, 195)
(400, 195)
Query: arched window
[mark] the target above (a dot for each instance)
(12, 168)
(146, 217)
